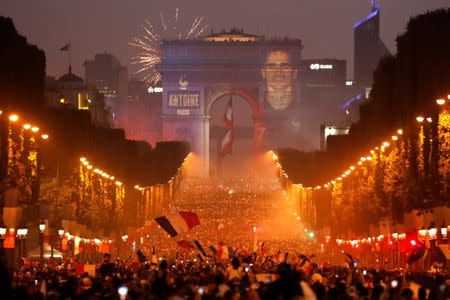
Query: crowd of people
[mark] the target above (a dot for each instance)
(269, 255)
(234, 278)
(234, 212)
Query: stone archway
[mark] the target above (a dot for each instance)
(258, 124)
(196, 73)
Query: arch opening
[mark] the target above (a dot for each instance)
(246, 118)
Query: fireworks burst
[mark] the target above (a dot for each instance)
(149, 45)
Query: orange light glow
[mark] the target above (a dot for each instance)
(35, 129)
(13, 118)
(26, 126)
(441, 101)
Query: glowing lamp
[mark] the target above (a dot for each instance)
(85, 163)
(363, 159)
(339, 178)
(22, 232)
(44, 136)
(118, 183)
(89, 167)
(136, 186)
(429, 120)
(423, 232)
(352, 168)
(372, 151)
(13, 118)
(254, 229)
(333, 181)
(413, 243)
(42, 226)
(432, 232)
(82, 159)
(395, 235)
(441, 101)
(420, 119)
(360, 163)
(400, 131)
(35, 129)
(444, 231)
(394, 137)
(369, 158)
(26, 126)
(2, 231)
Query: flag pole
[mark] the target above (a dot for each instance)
(70, 56)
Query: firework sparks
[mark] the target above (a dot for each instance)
(149, 44)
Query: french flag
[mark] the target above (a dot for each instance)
(178, 222)
(227, 142)
(221, 251)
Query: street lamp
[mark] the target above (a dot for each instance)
(422, 232)
(61, 236)
(2, 236)
(21, 235)
(432, 232)
(441, 101)
(41, 239)
(420, 119)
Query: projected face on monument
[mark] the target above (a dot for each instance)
(279, 77)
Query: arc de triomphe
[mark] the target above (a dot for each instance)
(196, 73)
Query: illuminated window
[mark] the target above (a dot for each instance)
(62, 101)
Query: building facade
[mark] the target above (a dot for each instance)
(368, 46)
(111, 79)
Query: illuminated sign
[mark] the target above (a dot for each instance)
(320, 67)
(155, 89)
(184, 99)
(349, 83)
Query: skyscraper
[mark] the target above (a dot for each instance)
(368, 46)
(111, 80)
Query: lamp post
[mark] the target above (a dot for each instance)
(61, 236)
(41, 239)
(2, 237)
(21, 235)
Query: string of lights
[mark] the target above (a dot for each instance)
(364, 159)
(15, 118)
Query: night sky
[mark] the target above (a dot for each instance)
(325, 26)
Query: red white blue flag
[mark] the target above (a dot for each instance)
(176, 222)
(227, 142)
